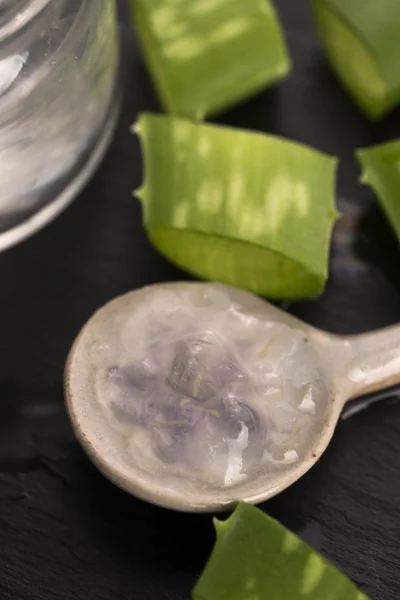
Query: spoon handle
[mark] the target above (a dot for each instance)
(368, 362)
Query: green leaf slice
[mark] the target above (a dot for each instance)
(381, 171)
(361, 42)
(256, 558)
(205, 55)
(242, 208)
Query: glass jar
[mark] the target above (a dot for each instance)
(59, 66)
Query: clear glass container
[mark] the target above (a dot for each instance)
(59, 99)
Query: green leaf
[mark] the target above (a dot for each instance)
(361, 40)
(205, 55)
(256, 558)
(246, 209)
(381, 171)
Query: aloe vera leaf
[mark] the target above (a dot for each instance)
(361, 41)
(256, 558)
(242, 208)
(381, 171)
(205, 55)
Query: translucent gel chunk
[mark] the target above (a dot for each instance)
(210, 391)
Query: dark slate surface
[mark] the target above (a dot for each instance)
(65, 532)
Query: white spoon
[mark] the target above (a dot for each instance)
(169, 435)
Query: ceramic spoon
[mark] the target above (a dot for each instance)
(347, 367)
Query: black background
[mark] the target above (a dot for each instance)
(65, 532)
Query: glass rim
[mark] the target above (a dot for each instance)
(22, 18)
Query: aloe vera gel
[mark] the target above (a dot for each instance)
(202, 389)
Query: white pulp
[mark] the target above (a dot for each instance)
(200, 387)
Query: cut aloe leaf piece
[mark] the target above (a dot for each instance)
(246, 209)
(205, 55)
(361, 41)
(256, 558)
(381, 171)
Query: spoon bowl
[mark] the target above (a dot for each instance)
(319, 373)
